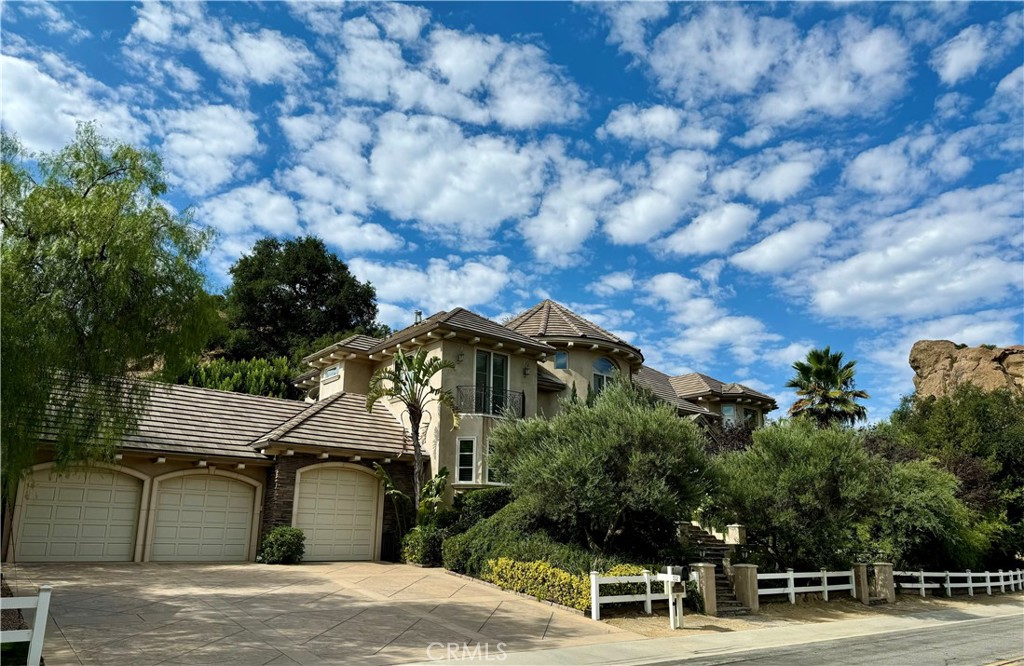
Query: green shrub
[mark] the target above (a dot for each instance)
(540, 580)
(514, 533)
(283, 545)
(476, 505)
(422, 545)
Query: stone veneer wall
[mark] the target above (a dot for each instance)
(279, 492)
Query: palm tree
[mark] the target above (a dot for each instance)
(408, 382)
(826, 390)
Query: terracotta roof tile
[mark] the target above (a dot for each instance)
(551, 319)
(660, 385)
(465, 321)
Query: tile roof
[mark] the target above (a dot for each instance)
(546, 381)
(341, 421)
(660, 385)
(696, 384)
(357, 342)
(200, 421)
(551, 319)
(468, 322)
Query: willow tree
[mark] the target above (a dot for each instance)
(97, 278)
(408, 382)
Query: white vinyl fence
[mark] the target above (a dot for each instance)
(923, 581)
(826, 583)
(597, 580)
(33, 636)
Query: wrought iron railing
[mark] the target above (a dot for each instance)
(487, 400)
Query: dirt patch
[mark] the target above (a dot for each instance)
(10, 620)
(783, 613)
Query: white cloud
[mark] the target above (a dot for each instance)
(240, 56)
(612, 283)
(659, 124)
(629, 22)
(713, 231)
(975, 46)
(754, 137)
(568, 214)
(207, 146)
(770, 69)
(473, 78)
(785, 357)
(781, 181)
(243, 209)
(1005, 101)
(930, 260)
(783, 249)
(346, 231)
(659, 198)
(52, 96)
(442, 285)
(424, 169)
(401, 21)
(54, 20)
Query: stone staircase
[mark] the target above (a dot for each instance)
(713, 550)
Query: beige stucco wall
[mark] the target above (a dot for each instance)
(579, 373)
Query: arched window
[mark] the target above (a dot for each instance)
(604, 370)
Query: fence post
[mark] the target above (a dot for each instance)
(824, 584)
(921, 580)
(35, 646)
(988, 583)
(647, 591)
(595, 597)
(792, 586)
(949, 590)
(970, 583)
(744, 577)
(860, 584)
(707, 586)
(884, 581)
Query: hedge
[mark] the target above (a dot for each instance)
(283, 545)
(541, 580)
(422, 545)
(513, 533)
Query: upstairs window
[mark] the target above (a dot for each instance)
(331, 372)
(750, 415)
(729, 414)
(467, 460)
(604, 370)
(491, 382)
(561, 360)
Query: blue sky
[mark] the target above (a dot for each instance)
(725, 185)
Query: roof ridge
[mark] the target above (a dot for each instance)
(204, 389)
(564, 312)
(295, 421)
(545, 313)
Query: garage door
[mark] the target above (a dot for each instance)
(87, 516)
(337, 511)
(202, 518)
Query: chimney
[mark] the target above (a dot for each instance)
(418, 315)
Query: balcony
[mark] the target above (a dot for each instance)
(487, 400)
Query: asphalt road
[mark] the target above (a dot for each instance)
(980, 642)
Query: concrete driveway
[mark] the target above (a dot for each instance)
(352, 613)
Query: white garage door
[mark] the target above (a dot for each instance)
(87, 516)
(338, 512)
(202, 518)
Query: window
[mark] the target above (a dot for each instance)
(491, 382)
(492, 474)
(729, 414)
(331, 372)
(467, 460)
(750, 415)
(561, 360)
(604, 369)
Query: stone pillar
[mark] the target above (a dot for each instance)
(744, 579)
(736, 535)
(860, 584)
(884, 581)
(706, 585)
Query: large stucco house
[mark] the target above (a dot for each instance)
(209, 472)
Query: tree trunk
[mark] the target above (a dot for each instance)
(417, 470)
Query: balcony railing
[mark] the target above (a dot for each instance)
(487, 400)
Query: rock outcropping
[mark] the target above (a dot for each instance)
(940, 366)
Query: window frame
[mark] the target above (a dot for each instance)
(733, 417)
(562, 356)
(325, 375)
(458, 459)
(605, 377)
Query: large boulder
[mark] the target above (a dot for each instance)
(940, 366)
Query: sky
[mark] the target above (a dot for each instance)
(724, 185)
